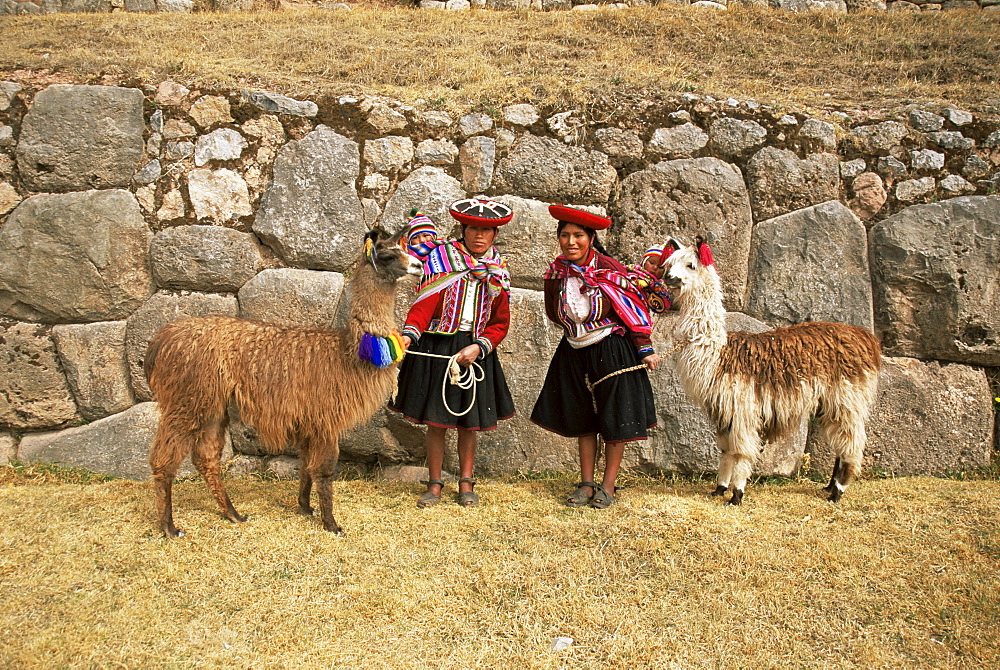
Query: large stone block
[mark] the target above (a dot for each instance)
(117, 445)
(477, 158)
(8, 448)
(545, 168)
(311, 214)
(811, 265)
(75, 257)
(204, 258)
(93, 356)
(293, 297)
(929, 419)
(388, 155)
(879, 138)
(518, 445)
(685, 198)
(684, 441)
(529, 241)
(935, 280)
(33, 389)
(218, 195)
(81, 137)
(430, 190)
(733, 138)
(781, 182)
(158, 311)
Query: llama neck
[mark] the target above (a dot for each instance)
(373, 303)
(703, 318)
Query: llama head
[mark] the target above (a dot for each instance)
(388, 256)
(688, 267)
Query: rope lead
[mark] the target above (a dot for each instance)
(463, 378)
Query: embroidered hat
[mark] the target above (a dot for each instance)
(419, 223)
(579, 217)
(481, 213)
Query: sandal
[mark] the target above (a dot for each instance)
(602, 499)
(468, 499)
(428, 499)
(580, 497)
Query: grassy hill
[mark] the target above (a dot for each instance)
(487, 59)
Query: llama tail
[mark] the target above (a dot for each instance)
(150, 361)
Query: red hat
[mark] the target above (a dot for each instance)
(579, 217)
(481, 213)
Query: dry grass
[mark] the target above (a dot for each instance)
(494, 58)
(902, 574)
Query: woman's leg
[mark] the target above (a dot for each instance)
(466, 458)
(588, 458)
(613, 454)
(435, 456)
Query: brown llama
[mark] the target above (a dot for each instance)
(295, 385)
(756, 387)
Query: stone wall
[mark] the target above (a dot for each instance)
(122, 209)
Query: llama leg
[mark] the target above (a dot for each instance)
(171, 445)
(323, 474)
(847, 439)
(726, 463)
(206, 458)
(829, 488)
(745, 448)
(305, 491)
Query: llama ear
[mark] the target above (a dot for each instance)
(668, 249)
(704, 252)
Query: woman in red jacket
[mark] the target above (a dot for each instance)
(597, 381)
(461, 314)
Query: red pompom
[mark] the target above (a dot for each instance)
(665, 254)
(705, 254)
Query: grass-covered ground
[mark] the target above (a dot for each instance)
(488, 59)
(903, 573)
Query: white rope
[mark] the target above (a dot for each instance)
(457, 375)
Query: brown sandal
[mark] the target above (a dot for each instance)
(468, 499)
(580, 498)
(428, 499)
(602, 498)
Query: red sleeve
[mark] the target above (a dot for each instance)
(420, 315)
(498, 325)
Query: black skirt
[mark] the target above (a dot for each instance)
(420, 377)
(624, 402)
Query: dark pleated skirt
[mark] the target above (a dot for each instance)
(624, 402)
(419, 395)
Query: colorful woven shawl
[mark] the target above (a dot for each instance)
(449, 267)
(619, 287)
(656, 292)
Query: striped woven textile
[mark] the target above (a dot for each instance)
(620, 288)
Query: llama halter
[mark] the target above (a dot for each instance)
(381, 351)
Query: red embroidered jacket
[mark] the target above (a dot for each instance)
(425, 317)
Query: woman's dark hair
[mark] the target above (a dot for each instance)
(591, 233)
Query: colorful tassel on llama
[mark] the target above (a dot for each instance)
(381, 351)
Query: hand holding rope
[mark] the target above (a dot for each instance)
(463, 376)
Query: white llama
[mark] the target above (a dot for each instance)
(759, 386)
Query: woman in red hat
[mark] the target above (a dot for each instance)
(597, 382)
(461, 314)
